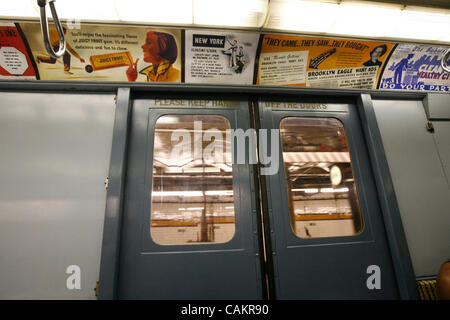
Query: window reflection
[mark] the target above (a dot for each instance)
(192, 196)
(322, 193)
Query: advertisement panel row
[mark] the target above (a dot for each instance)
(142, 54)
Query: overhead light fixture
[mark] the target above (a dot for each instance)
(19, 8)
(177, 193)
(306, 16)
(366, 18)
(360, 18)
(329, 190)
(353, 18)
(148, 11)
(103, 10)
(173, 170)
(422, 23)
(165, 119)
(219, 193)
(235, 13)
(308, 190)
(155, 11)
(192, 193)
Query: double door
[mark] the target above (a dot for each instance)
(231, 199)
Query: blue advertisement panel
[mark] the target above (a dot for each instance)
(416, 67)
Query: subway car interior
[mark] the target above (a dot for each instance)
(224, 150)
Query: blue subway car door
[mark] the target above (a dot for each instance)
(326, 229)
(189, 227)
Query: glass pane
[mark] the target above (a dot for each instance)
(192, 196)
(322, 195)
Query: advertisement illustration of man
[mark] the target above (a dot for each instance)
(160, 49)
(240, 60)
(376, 53)
(403, 64)
(54, 41)
(232, 52)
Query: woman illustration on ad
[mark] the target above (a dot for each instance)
(160, 49)
(374, 55)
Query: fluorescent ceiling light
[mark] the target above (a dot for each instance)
(86, 9)
(19, 8)
(192, 193)
(229, 207)
(177, 193)
(310, 190)
(360, 18)
(422, 23)
(328, 190)
(366, 19)
(307, 16)
(192, 209)
(166, 119)
(349, 17)
(192, 170)
(236, 13)
(445, 38)
(156, 11)
(211, 169)
(173, 170)
(219, 193)
(174, 12)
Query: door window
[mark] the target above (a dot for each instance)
(322, 195)
(192, 192)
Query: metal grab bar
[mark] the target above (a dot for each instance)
(444, 61)
(44, 27)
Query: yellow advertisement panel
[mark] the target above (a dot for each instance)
(321, 62)
(108, 53)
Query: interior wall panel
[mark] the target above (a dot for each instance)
(54, 158)
(420, 184)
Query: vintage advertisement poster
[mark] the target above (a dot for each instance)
(14, 60)
(107, 53)
(416, 67)
(220, 57)
(321, 62)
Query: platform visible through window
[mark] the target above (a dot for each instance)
(322, 196)
(192, 195)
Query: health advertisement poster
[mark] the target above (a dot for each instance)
(220, 57)
(321, 62)
(416, 67)
(108, 53)
(15, 62)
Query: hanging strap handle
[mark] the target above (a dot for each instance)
(44, 27)
(444, 61)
